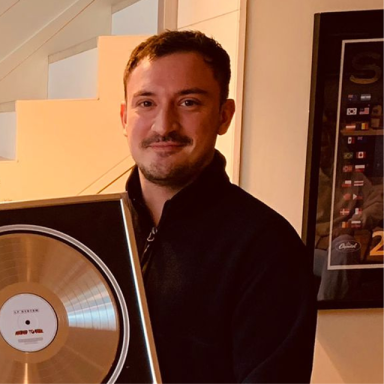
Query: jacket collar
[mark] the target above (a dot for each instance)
(206, 186)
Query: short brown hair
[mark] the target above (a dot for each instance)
(170, 42)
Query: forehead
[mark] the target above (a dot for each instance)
(174, 71)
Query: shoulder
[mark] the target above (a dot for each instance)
(243, 206)
(258, 226)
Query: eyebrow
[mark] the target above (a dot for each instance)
(189, 91)
(183, 92)
(142, 93)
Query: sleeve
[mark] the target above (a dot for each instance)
(273, 325)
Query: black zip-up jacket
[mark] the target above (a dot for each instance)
(228, 284)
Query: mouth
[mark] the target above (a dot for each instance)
(165, 149)
(167, 144)
(171, 142)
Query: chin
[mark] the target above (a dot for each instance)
(174, 176)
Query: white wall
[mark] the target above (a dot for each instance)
(138, 19)
(7, 136)
(349, 346)
(74, 77)
(220, 20)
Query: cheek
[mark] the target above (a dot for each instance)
(198, 125)
(134, 140)
(205, 131)
(135, 128)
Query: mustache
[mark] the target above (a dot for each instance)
(174, 137)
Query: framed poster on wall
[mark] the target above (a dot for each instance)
(343, 213)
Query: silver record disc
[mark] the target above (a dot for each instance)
(61, 319)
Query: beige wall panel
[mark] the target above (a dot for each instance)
(64, 146)
(10, 183)
(276, 103)
(115, 180)
(225, 30)
(191, 12)
(357, 359)
(114, 53)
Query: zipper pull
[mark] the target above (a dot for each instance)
(151, 236)
(146, 254)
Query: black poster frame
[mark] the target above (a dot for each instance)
(330, 31)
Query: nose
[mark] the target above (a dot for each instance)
(166, 120)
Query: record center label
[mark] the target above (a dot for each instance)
(28, 322)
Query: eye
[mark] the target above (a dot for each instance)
(145, 103)
(189, 103)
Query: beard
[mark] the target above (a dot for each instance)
(174, 175)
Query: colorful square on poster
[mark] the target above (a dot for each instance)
(351, 111)
(361, 139)
(347, 183)
(353, 98)
(365, 97)
(359, 167)
(356, 224)
(357, 197)
(364, 111)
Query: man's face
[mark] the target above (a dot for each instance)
(172, 117)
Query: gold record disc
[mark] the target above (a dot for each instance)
(59, 319)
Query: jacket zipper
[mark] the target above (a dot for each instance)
(148, 250)
(146, 256)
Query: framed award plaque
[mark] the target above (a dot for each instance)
(343, 220)
(72, 303)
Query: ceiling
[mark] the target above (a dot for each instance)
(22, 20)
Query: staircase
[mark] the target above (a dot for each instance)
(70, 142)
(61, 88)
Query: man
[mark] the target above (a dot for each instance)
(227, 279)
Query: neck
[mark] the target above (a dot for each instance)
(155, 197)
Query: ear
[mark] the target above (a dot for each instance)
(226, 113)
(123, 117)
